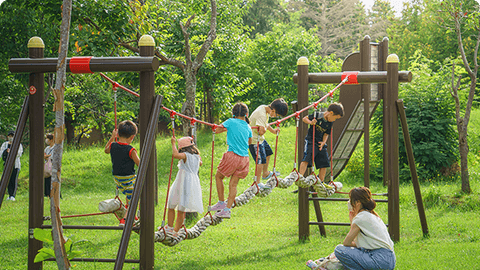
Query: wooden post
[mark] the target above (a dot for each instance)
(365, 53)
(37, 123)
(147, 205)
(382, 61)
(392, 157)
(411, 164)
(302, 97)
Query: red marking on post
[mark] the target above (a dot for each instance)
(32, 90)
(80, 64)
(352, 77)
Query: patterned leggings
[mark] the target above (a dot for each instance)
(125, 184)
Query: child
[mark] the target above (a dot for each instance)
(323, 125)
(186, 193)
(124, 157)
(235, 161)
(259, 118)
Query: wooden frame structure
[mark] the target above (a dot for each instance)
(146, 64)
(360, 100)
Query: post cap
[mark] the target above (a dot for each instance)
(302, 61)
(392, 58)
(146, 40)
(35, 42)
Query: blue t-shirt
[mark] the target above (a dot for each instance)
(238, 133)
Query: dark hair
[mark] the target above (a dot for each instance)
(11, 133)
(280, 106)
(49, 136)
(239, 110)
(192, 149)
(126, 129)
(336, 108)
(364, 196)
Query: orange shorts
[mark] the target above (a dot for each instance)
(233, 165)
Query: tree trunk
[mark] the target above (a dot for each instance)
(59, 90)
(189, 105)
(463, 148)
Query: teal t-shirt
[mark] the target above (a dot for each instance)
(238, 133)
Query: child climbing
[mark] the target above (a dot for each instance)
(235, 161)
(323, 126)
(186, 192)
(259, 118)
(124, 157)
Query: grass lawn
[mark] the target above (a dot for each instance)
(260, 235)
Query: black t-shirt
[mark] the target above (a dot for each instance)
(321, 127)
(122, 161)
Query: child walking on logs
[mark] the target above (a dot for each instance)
(186, 192)
(124, 157)
(235, 161)
(322, 122)
(259, 118)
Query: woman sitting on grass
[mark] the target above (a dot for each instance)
(367, 244)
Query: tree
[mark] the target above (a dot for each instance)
(340, 24)
(379, 19)
(462, 17)
(57, 231)
(263, 14)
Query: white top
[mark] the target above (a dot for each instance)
(373, 232)
(19, 154)
(186, 193)
(259, 117)
(49, 150)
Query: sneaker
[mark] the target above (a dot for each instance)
(277, 173)
(12, 198)
(7, 199)
(262, 186)
(312, 264)
(218, 206)
(224, 213)
(122, 222)
(268, 177)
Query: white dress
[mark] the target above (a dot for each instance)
(186, 192)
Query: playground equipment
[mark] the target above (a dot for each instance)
(146, 64)
(373, 75)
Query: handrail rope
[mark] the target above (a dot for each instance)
(119, 85)
(277, 121)
(172, 116)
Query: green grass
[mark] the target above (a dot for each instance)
(262, 234)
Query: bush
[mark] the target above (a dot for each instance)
(430, 117)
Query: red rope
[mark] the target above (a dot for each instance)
(119, 85)
(171, 168)
(211, 167)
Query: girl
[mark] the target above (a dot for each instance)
(186, 193)
(47, 155)
(235, 161)
(367, 244)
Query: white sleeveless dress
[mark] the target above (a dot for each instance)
(186, 192)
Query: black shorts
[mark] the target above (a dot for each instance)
(322, 160)
(265, 151)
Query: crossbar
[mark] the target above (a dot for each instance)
(365, 77)
(84, 64)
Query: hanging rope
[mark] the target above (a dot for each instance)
(172, 117)
(214, 127)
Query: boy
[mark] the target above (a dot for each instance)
(323, 125)
(259, 118)
(124, 157)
